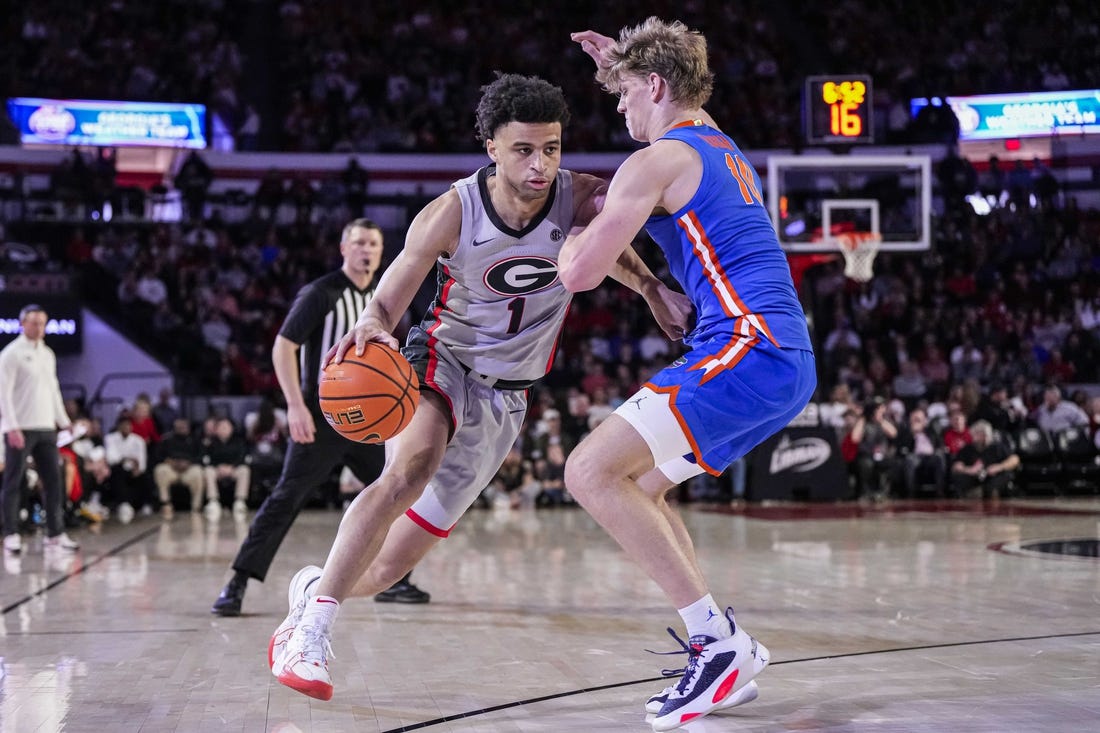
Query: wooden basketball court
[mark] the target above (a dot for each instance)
(896, 617)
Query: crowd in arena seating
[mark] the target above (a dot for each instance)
(341, 90)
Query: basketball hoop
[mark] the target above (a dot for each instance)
(859, 250)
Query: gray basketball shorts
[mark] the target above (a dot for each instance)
(486, 423)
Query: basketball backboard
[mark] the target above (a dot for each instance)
(814, 198)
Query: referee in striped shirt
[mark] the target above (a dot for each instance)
(322, 313)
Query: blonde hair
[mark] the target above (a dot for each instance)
(672, 51)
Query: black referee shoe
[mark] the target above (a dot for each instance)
(403, 592)
(231, 597)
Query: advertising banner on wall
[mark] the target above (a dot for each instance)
(107, 123)
(64, 325)
(1030, 114)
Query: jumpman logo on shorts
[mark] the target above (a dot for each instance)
(636, 400)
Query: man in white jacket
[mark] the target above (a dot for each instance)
(31, 411)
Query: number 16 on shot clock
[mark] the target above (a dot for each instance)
(838, 109)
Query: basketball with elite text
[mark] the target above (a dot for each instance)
(369, 397)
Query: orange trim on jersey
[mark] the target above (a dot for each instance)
(687, 123)
(731, 301)
(672, 392)
(731, 354)
(428, 526)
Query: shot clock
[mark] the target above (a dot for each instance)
(837, 109)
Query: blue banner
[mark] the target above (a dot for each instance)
(1032, 114)
(96, 122)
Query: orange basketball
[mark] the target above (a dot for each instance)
(369, 398)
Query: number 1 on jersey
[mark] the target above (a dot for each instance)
(743, 173)
(516, 307)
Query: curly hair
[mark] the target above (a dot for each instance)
(672, 51)
(516, 98)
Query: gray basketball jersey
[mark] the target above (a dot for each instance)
(500, 304)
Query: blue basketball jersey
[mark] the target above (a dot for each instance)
(722, 249)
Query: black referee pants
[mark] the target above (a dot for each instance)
(305, 467)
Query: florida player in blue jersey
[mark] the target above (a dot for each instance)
(751, 365)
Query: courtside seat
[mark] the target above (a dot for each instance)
(1080, 460)
(1040, 468)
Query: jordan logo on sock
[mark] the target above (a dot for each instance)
(711, 614)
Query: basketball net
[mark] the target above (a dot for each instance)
(859, 250)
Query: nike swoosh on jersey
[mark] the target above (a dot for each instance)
(484, 241)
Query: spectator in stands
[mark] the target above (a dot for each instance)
(993, 183)
(1019, 185)
(142, 422)
(551, 447)
(103, 198)
(225, 458)
(165, 411)
(302, 197)
(127, 455)
(832, 413)
(957, 179)
(997, 409)
(193, 181)
(600, 407)
(933, 367)
(985, 466)
(957, 435)
(268, 197)
(653, 346)
(150, 289)
(966, 361)
(843, 339)
(909, 383)
(921, 453)
(179, 464)
(876, 461)
(356, 182)
(216, 331)
(1057, 370)
(95, 471)
(514, 484)
(1057, 414)
(70, 183)
(267, 432)
(1044, 183)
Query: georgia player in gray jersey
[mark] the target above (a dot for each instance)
(494, 240)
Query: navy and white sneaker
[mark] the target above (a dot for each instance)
(716, 670)
(746, 694)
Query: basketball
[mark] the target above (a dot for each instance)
(369, 398)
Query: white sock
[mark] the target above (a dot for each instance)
(320, 611)
(703, 618)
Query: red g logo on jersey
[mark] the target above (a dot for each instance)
(521, 275)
